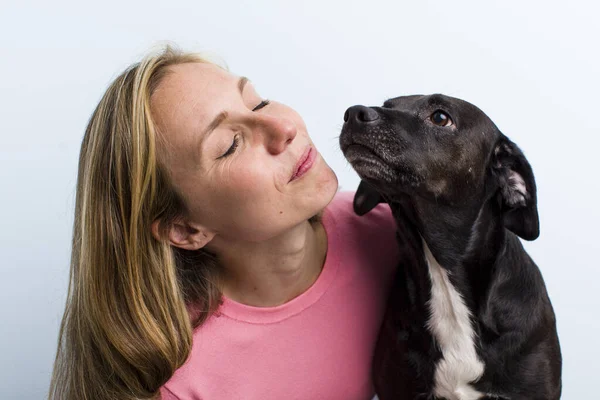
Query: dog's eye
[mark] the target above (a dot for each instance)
(440, 118)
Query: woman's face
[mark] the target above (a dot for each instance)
(234, 156)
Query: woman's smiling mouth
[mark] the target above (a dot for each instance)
(305, 162)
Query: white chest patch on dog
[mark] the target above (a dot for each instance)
(450, 324)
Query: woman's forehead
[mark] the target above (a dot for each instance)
(190, 95)
(200, 82)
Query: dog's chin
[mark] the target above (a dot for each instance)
(380, 173)
(368, 165)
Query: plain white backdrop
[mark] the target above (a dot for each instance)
(532, 66)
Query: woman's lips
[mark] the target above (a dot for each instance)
(305, 162)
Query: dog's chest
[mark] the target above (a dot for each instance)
(450, 324)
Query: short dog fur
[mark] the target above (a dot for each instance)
(469, 316)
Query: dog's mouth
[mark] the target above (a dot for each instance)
(359, 155)
(368, 164)
(373, 168)
(356, 152)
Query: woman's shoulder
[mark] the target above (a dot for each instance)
(342, 210)
(365, 245)
(375, 227)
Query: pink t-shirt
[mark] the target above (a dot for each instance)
(316, 346)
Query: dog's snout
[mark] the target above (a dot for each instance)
(360, 114)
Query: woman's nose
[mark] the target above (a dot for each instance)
(278, 133)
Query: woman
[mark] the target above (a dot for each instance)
(212, 257)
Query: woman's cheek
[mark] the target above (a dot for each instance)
(249, 177)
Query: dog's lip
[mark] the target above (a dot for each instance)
(362, 148)
(359, 153)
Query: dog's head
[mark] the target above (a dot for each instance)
(440, 149)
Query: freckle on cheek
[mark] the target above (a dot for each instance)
(280, 212)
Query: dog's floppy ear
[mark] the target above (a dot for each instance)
(517, 190)
(366, 198)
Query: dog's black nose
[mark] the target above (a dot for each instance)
(360, 114)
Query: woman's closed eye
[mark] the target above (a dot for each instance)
(234, 145)
(236, 138)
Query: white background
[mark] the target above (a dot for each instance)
(532, 66)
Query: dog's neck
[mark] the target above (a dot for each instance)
(466, 240)
(461, 236)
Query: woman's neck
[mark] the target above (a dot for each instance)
(273, 272)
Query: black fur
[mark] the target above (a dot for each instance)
(468, 192)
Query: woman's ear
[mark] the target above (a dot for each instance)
(184, 235)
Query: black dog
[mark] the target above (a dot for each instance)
(469, 316)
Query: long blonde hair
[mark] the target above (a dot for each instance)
(133, 301)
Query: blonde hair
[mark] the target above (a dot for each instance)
(133, 301)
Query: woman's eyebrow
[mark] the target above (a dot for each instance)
(223, 114)
(241, 83)
(213, 125)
